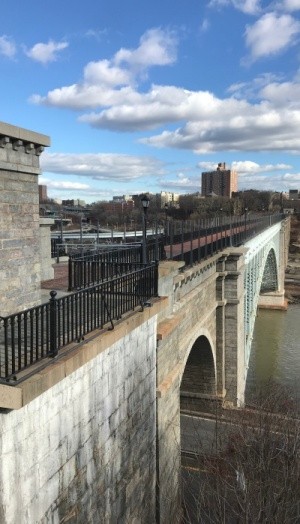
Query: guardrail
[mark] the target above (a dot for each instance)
(29, 336)
(91, 267)
(192, 242)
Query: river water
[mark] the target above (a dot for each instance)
(275, 353)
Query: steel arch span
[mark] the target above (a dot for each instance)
(263, 274)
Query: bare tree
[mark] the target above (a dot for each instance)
(252, 473)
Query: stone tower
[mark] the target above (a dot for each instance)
(20, 270)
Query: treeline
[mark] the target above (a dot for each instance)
(189, 207)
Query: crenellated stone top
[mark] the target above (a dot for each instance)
(20, 149)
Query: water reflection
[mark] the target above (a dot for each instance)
(275, 352)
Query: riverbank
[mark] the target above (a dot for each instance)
(292, 273)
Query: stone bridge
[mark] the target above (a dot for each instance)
(204, 342)
(93, 436)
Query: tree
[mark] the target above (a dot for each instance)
(252, 474)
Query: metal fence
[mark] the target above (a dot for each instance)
(123, 283)
(189, 241)
(34, 334)
(91, 267)
(193, 241)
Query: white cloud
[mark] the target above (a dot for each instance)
(103, 72)
(292, 178)
(205, 123)
(213, 124)
(63, 185)
(284, 94)
(102, 166)
(209, 123)
(182, 184)
(107, 82)
(250, 7)
(7, 46)
(253, 89)
(247, 166)
(156, 47)
(271, 34)
(205, 25)
(45, 53)
(270, 182)
(86, 96)
(290, 5)
(207, 166)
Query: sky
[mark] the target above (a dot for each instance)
(143, 96)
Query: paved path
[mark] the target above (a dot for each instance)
(60, 280)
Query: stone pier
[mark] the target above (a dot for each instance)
(20, 268)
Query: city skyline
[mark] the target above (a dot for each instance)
(139, 97)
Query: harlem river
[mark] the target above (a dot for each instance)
(275, 353)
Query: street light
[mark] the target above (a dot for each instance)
(145, 203)
(166, 219)
(246, 211)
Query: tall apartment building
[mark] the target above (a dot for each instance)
(43, 193)
(221, 182)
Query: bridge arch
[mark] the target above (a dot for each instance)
(261, 277)
(198, 375)
(269, 280)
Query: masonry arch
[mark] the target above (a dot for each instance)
(270, 274)
(198, 379)
(261, 279)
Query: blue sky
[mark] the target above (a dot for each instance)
(144, 96)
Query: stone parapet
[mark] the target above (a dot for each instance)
(20, 149)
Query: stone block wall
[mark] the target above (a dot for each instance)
(20, 271)
(192, 294)
(84, 451)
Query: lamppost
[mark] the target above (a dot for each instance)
(145, 203)
(166, 219)
(61, 231)
(246, 211)
(221, 225)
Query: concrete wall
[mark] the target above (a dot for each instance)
(82, 449)
(20, 271)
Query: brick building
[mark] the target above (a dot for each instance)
(221, 182)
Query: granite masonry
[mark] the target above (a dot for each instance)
(20, 269)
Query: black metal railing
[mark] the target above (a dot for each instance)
(189, 241)
(91, 267)
(34, 334)
(192, 242)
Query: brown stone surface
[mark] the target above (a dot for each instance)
(60, 280)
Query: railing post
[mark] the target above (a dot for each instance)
(156, 241)
(53, 324)
(70, 274)
(191, 242)
(155, 291)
